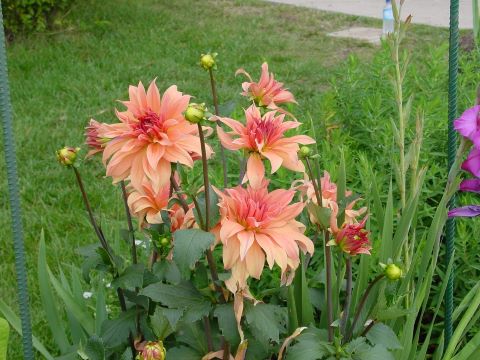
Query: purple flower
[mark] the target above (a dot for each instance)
(468, 125)
(465, 211)
(472, 163)
(472, 185)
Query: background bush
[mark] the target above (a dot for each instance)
(25, 16)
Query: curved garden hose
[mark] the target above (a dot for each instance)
(452, 145)
(8, 142)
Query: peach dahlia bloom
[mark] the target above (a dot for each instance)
(146, 205)
(93, 140)
(151, 135)
(257, 225)
(263, 137)
(267, 91)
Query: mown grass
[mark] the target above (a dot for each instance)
(60, 80)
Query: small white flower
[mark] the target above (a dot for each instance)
(108, 285)
(138, 242)
(87, 295)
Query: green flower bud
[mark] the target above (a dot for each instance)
(304, 151)
(393, 272)
(195, 113)
(67, 155)
(207, 61)
(165, 242)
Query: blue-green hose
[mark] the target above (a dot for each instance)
(10, 159)
(452, 145)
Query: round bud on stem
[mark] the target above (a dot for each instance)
(393, 272)
(195, 113)
(305, 152)
(67, 155)
(165, 242)
(207, 61)
(152, 350)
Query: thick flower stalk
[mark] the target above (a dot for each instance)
(263, 137)
(257, 225)
(152, 135)
(267, 91)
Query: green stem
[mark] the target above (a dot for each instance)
(360, 306)
(131, 231)
(222, 149)
(328, 255)
(348, 296)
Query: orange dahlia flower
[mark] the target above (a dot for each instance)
(267, 92)
(93, 139)
(257, 225)
(151, 135)
(264, 138)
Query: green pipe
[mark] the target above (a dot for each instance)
(14, 196)
(452, 144)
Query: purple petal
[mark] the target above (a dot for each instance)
(472, 164)
(472, 185)
(465, 211)
(466, 124)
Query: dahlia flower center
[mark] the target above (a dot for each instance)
(253, 213)
(262, 132)
(151, 125)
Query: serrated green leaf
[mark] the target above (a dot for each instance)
(183, 296)
(262, 319)
(167, 271)
(309, 347)
(381, 334)
(184, 353)
(227, 323)
(160, 324)
(131, 278)
(49, 304)
(95, 349)
(189, 247)
(357, 345)
(116, 331)
(378, 352)
(4, 333)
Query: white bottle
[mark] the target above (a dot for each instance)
(388, 21)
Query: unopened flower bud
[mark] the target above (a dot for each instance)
(195, 113)
(304, 151)
(67, 155)
(165, 242)
(207, 61)
(393, 272)
(152, 351)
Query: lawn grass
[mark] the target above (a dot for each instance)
(60, 80)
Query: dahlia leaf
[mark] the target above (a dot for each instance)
(160, 324)
(263, 322)
(310, 346)
(115, 332)
(381, 334)
(95, 349)
(227, 323)
(378, 352)
(189, 247)
(132, 277)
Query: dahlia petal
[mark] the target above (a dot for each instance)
(154, 217)
(472, 185)
(231, 252)
(465, 211)
(274, 159)
(154, 154)
(255, 261)
(235, 125)
(266, 245)
(246, 239)
(255, 170)
(177, 154)
(153, 97)
(302, 139)
(243, 72)
(137, 171)
(230, 228)
(226, 140)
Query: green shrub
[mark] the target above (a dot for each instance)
(25, 16)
